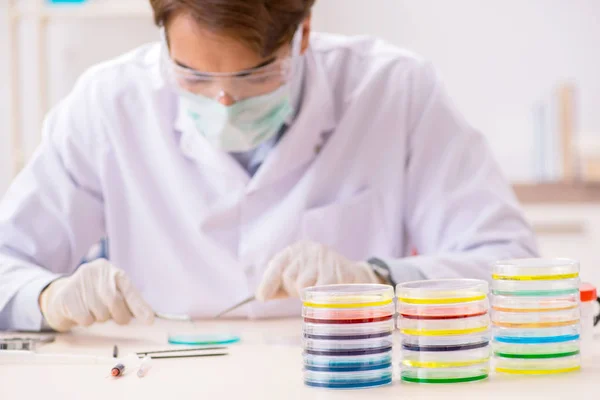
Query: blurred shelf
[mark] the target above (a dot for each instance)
(557, 193)
(112, 9)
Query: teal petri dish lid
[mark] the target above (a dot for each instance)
(545, 288)
(203, 339)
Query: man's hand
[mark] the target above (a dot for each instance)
(308, 264)
(96, 292)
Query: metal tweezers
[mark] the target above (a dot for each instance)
(167, 353)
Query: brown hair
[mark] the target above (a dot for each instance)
(263, 25)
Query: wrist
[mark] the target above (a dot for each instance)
(44, 293)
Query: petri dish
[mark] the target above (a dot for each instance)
(443, 327)
(348, 315)
(527, 304)
(536, 335)
(537, 366)
(535, 269)
(445, 375)
(563, 287)
(347, 364)
(536, 319)
(454, 359)
(445, 343)
(443, 311)
(348, 331)
(442, 291)
(536, 351)
(347, 296)
(201, 339)
(348, 347)
(348, 380)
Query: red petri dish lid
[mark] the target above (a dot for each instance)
(443, 312)
(588, 292)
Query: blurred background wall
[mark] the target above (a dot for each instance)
(525, 73)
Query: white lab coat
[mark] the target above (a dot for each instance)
(377, 161)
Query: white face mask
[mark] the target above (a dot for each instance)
(242, 126)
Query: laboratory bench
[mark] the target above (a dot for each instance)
(265, 364)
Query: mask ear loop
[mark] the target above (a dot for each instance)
(297, 74)
(165, 57)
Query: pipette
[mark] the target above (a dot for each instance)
(144, 367)
(117, 370)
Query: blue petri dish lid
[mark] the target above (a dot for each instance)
(536, 335)
(203, 339)
(347, 377)
(347, 364)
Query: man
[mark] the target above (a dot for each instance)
(244, 155)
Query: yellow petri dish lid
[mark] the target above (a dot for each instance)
(442, 291)
(535, 269)
(348, 296)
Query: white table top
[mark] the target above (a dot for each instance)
(266, 364)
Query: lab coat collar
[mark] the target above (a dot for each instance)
(300, 144)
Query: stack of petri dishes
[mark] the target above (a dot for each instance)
(347, 336)
(536, 316)
(445, 329)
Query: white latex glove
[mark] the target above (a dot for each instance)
(96, 292)
(308, 264)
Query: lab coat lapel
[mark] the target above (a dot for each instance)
(308, 133)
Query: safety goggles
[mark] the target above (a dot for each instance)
(237, 86)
